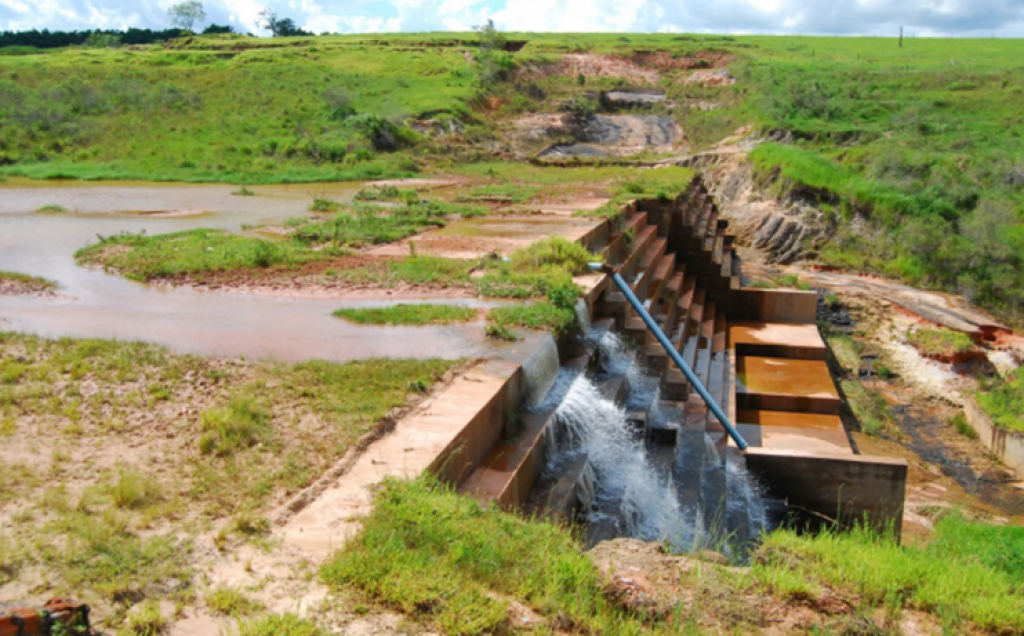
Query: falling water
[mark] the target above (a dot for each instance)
(597, 427)
(540, 371)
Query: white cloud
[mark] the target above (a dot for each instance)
(920, 17)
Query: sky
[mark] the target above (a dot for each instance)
(920, 18)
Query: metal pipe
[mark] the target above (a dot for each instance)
(674, 354)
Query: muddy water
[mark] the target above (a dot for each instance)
(94, 304)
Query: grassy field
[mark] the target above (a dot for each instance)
(1003, 400)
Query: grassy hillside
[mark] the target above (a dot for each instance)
(922, 143)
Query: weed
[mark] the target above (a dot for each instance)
(959, 422)
(500, 332)
(133, 490)
(230, 601)
(241, 424)
(52, 208)
(277, 625)
(320, 204)
(146, 620)
(538, 315)
(243, 191)
(1003, 400)
(408, 314)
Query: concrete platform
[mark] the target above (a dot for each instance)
(779, 384)
(793, 431)
(776, 340)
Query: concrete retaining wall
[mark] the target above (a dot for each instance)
(1008, 446)
(849, 488)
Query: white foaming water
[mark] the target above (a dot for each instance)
(540, 371)
(597, 427)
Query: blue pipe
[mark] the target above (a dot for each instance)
(674, 354)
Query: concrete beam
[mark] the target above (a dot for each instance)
(847, 488)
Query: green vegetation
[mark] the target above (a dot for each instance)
(944, 342)
(278, 625)
(230, 601)
(968, 574)
(241, 424)
(456, 565)
(144, 258)
(1003, 400)
(408, 314)
(959, 422)
(146, 620)
(25, 282)
(52, 208)
(867, 406)
(538, 315)
(449, 560)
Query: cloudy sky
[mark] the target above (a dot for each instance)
(978, 18)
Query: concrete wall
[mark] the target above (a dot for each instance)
(774, 305)
(849, 488)
(1008, 446)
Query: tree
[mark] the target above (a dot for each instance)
(185, 14)
(279, 27)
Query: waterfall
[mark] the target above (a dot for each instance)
(540, 371)
(597, 427)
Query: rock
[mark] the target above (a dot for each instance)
(570, 150)
(631, 98)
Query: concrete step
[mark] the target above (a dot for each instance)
(702, 361)
(643, 240)
(777, 340)
(615, 250)
(809, 432)
(779, 384)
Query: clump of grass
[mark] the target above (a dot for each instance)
(230, 601)
(243, 191)
(867, 406)
(146, 620)
(133, 490)
(554, 253)
(387, 193)
(52, 208)
(500, 332)
(28, 283)
(278, 625)
(408, 314)
(1003, 400)
(321, 204)
(511, 192)
(241, 424)
(792, 280)
(940, 341)
(959, 422)
(538, 315)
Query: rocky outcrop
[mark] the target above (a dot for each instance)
(631, 98)
(779, 231)
(601, 135)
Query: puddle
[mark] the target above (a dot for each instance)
(95, 304)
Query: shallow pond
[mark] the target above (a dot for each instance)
(94, 304)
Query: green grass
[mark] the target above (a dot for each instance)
(278, 625)
(443, 558)
(454, 565)
(230, 601)
(537, 315)
(52, 209)
(1003, 400)
(145, 258)
(940, 341)
(959, 422)
(32, 283)
(240, 424)
(867, 406)
(968, 573)
(408, 314)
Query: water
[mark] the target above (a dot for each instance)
(597, 427)
(94, 304)
(540, 371)
(583, 316)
